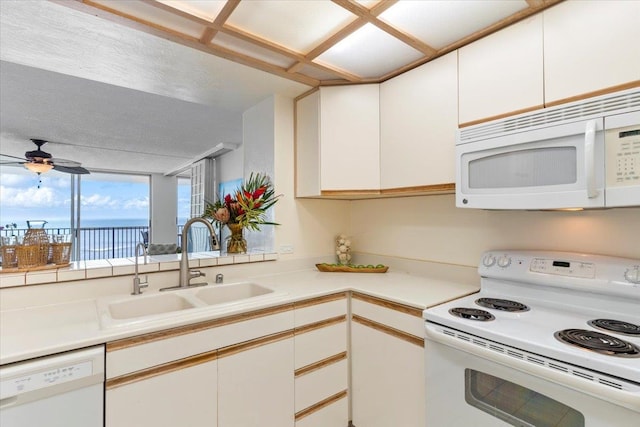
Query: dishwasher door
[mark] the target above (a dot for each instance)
(54, 391)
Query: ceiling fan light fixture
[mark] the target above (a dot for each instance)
(39, 167)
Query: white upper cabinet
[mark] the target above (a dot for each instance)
(590, 46)
(418, 122)
(501, 74)
(338, 141)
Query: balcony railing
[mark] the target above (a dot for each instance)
(99, 242)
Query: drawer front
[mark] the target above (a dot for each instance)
(129, 355)
(334, 414)
(315, 386)
(409, 321)
(318, 309)
(319, 344)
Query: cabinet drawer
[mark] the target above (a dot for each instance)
(318, 309)
(408, 320)
(137, 353)
(335, 414)
(315, 386)
(318, 344)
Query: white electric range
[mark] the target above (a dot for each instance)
(551, 339)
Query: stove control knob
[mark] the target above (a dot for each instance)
(633, 275)
(504, 261)
(488, 260)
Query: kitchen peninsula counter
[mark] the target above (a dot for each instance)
(72, 318)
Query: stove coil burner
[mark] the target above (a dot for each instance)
(618, 326)
(598, 342)
(472, 314)
(502, 304)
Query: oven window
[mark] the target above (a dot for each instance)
(515, 404)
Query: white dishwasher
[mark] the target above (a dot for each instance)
(63, 390)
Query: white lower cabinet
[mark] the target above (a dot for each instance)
(284, 366)
(255, 386)
(175, 396)
(236, 371)
(387, 366)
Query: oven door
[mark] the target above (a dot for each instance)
(466, 388)
(554, 167)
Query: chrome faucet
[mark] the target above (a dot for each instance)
(185, 274)
(137, 284)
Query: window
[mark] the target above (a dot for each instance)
(110, 215)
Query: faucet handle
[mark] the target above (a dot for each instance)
(196, 273)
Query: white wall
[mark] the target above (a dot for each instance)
(432, 228)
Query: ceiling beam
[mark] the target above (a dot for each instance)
(371, 16)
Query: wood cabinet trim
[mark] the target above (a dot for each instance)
(258, 342)
(319, 300)
(605, 91)
(321, 324)
(197, 327)
(501, 116)
(320, 405)
(420, 189)
(165, 368)
(312, 367)
(388, 330)
(412, 311)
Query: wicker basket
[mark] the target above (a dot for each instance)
(59, 253)
(9, 256)
(32, 255)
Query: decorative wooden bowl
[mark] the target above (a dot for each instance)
(334, 268)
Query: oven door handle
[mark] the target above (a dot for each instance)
(623, 398)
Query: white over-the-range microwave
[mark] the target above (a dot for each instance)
(584, 154)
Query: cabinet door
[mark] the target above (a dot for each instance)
(502, 73)
(590, 46)
(350, 137)
(418, 123)
(255, 386)
(388, 380)
(184, 397)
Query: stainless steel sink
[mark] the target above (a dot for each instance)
(220, 294)
(148, 305)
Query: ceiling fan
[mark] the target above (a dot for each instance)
(40, 161)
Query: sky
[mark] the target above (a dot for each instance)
(104, 196)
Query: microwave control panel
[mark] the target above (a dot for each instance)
(623, 156)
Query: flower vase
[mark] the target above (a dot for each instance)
(236, 243)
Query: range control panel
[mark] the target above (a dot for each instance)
(586, 270)
(565, 269)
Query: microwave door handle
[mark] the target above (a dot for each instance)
(589, 158)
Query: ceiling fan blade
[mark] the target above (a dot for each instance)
(76, 170)
(13, 157)
(11, 163)
(64, 162)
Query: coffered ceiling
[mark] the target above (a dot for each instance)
(321, 42)
(150, 85)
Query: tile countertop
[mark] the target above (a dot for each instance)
(47, 329)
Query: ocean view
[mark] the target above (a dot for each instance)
(100, 238)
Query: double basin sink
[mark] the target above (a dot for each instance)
(135, 309)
